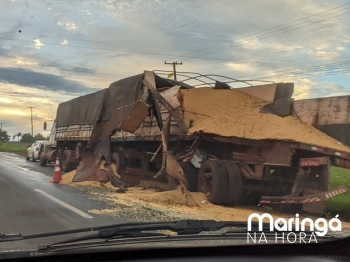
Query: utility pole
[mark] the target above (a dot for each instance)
(1, 126)
(31, 117)
(174, 67)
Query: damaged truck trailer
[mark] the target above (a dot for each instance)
(236, 146)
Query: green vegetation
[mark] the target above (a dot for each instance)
(340, 204)
(13, 147)
(4, 137)
(28, 138)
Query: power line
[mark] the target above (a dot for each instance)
(86, 47)
(67, 76)
(308, 68)
(249, 36)
(148, 53)
(264, 36)
(97, 41)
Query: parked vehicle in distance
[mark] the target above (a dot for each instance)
(48, 152)
(34, 151)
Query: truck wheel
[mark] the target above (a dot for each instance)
(43, 161)
(66, 165)
(212, 181)
(119, 160)
(191, 177)
(234, 183)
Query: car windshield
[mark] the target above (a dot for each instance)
(143, 111)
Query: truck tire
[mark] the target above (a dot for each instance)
(234, 183)
(191, 177)
(66, 165)
(43, 161)
(212, 181)
(119, 160)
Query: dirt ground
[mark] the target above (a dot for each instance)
(141, 204)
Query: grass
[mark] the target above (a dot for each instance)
(13, 147)
(340, 204)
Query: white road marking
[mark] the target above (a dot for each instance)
(24, 169)
(10, 156)
(71, 208)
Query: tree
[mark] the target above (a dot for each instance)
(4, 137)
(19, 135)
(27, 138)
(39, 137)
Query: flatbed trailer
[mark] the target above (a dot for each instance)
(155, 139)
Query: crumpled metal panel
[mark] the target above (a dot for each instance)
(120, 100)
(123, 111)
(173, 168)
(172, 96)
(89, 166)
(136, 117)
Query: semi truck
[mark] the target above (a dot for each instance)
(238, 145)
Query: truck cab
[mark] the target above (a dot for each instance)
(49, 147)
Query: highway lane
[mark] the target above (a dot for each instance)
(29, 204)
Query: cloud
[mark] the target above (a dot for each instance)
(240, 67)
(38, 44)
(64, 42)
(29, 78)
(306, 88)
(324, 55)
(70, 26)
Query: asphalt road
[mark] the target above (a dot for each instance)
(30, 204)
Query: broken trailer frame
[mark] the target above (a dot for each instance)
(229, 170)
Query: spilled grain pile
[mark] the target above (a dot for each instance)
(231, 113)
(135, 202)
(68, 177)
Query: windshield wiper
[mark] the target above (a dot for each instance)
(180, 227)
(136, 230)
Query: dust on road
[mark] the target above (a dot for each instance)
(140, 204)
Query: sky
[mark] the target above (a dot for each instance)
(53, 51)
